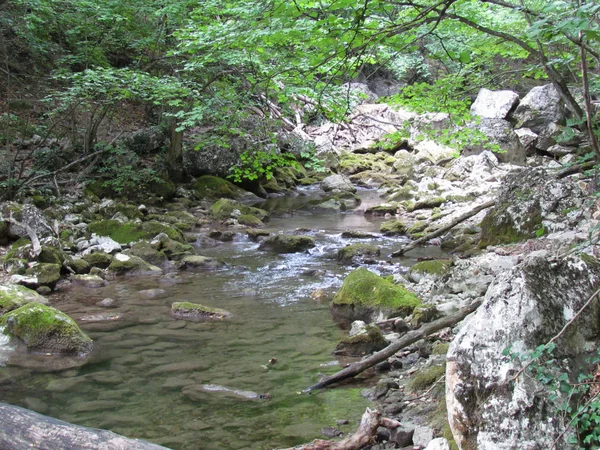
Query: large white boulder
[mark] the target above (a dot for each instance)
(494, 104)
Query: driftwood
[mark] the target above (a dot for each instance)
(35, 242)
(21, 429)
(577, 168)
(409, 338)
(367, 430)
(445, 228)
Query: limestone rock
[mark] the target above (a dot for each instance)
(28, 215)
(528, 140)
(523, 308)
(288, 243)
(45, 329)
(494, 104)
(337, 183)
(132, 265)
(498, 132)
(539, 108)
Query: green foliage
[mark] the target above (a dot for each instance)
(259, 165)
(573, 391)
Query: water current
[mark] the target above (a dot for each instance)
(149, 374)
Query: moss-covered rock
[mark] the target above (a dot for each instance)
(148, 253)
(174, 250)
(196, 312)
(426, 377)
(78, 265)
(211, 187)
(346, 254)
(226, 208)
(393, 227)
(288, 243)
(365, 293)
(127, 232)
(363, 343)
(250, 220)
(13, 296)
(382, 210)
(433, 267)
(132, 265)
(51, 255)
(351, 163)
(424, 314)
(256, 234)
(98, 259)
(200, 262)
(426, 203)
(42, 274)
(45, 329)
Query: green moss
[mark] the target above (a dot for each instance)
(98, 259)
(211, 187)
(127, 232)
(175, 250)
(45, 329)
(363, 343)
(364, 288)
(13, 296)
(51, 255)
(351, 163)
(148, 253)
(223, 209)
(250, 220)
(288, 243)
(393, 227)
(162, 188)
(132, 265)
(427, 203)
(78, 265)
(425, 378)
(498, 228)
(440, 348)
(434, 267)
(382, 210)
(416, 227)
(196, 311)
(346, 254)
(254, 234)
(438, 420)
(46, 274)
(424, 314)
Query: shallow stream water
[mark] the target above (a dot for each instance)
(148, 373)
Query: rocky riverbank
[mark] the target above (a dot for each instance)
(530, 257)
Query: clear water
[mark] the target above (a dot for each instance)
(145, 378)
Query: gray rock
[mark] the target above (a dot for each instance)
(337, 183)
(523, 308)
(539, 108)
(494, 104)
(438, 444)
(498, 132)
(528, 139)
(559, 151)
(29, 216)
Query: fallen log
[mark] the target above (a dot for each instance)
(409, 338)
(21, 429)
(367, 430)
(445, 228)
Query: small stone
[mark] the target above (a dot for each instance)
(107, 303)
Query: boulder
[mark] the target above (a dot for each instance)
(196, 312)
(523, 308)
(532, 202)
(337, 183)
(124, 264)
(27, 215)
(226, 208)
(360, 344)
(144, 141)
(99, 259)
(40, 274)
(22, 429)
(287, 243)
(199, 262)
(45, 329)
(346, 254)
(539, 108)
(127, 232)
(430, 151)
(497, 133)
(102, 244)
(146, 251)
(394, 227)
(365, 295)
(13, 296)
(494, 104)
(528, 140)
(211, 187)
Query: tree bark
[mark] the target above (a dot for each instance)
(409, 338)
(367, 429)
(442, 230)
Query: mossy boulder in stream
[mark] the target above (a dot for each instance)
(288, 243)
(226, 208)
(211, 187)
(199, 262)
(127, 232)
(132, 265)
(40, 274)
(436, 267)
(99, 259)
(148, 253)
(393, 227)
(365, 295)
(197, 312)
(347, 253)
(362, 343)
(13, 296)
(45, 329)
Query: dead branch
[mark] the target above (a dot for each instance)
(367, 430)
(409, 338)
(35, 241)
(445, 228)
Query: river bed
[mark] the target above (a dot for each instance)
(148, 373)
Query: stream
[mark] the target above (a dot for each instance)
(161, 379)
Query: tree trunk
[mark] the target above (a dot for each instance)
(175, 154)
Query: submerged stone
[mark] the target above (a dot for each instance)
(195, 312)
(13, 296)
